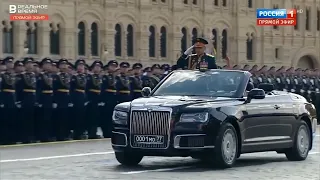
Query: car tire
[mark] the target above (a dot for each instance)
(226, 147)
(128, 159)
(300, 148)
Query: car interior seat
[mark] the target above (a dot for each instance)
(267, 87)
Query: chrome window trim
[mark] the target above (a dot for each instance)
(147, 109)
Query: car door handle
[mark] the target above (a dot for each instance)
(276, 106)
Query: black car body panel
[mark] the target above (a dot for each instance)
(266, 124)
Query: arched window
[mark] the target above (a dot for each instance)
(81, 39)
(118, 40)
(7, 37)
(224, 43)
(152, 42)
(94, 40)
(250, 5)
(54, 38)
(215, 41)
(296, 27)
(216, 2)
(163, 41)
(224, 3)
(32, 37)
(249, 46)
(184, 40)
(308, 19)
(130, 40)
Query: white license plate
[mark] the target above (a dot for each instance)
(148, 139)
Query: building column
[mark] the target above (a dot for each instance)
(144, 43)
(20, 37)
(109, 40)
(125, 43)
(88, 44)
(158, 44)
(44, 39)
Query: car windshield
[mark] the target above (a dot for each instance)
(196, 83)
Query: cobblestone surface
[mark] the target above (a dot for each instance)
(77, 161)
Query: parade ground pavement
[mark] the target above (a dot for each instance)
(94, 160)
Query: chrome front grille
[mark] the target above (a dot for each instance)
(150, 123)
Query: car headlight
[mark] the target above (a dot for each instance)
(194, 117)
(120, 117)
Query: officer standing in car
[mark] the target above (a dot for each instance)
(44, 130)
(78, 99)
(93, 91)
(187, 61)
(26, 92)
(8, 124)
(109, 97)
(62, 101)
(135, 81)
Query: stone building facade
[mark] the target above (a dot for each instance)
(157, 31)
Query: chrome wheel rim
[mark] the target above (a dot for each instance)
(229, 146)
(303, 141)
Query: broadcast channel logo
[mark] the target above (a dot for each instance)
(276, 17)
(28, 12)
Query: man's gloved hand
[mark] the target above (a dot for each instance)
(18, 104)
(188, 51)
(54, 105)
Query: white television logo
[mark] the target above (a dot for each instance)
(12, 8)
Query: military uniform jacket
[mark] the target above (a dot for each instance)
(108, 88)
(193, 61)
(93, 88)
(45, 89)
(78, 89)
(136, 86)
(7, 89)
(61, 89)
(147, 82)
(26, 88)
(123, 85)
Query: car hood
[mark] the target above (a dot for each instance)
(180, 102)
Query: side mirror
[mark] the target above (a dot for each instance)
(255, 94)
(146, 91)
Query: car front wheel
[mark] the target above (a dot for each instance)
(226, 147)
(128, 159)
(300, 149)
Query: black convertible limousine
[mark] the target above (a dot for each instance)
(213, 116)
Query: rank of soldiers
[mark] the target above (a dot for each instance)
(56, 101)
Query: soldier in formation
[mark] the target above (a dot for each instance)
(50, 100)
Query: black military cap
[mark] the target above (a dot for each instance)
(165, 67)
(147, 69)
(289, 69)
(156, 66)
(62, 61)
(78, 62)
(7, 60)
(28, 60)
(137, 66)
(18, 63)
(235, 66)
(200, 42)
(96, 63)
(113, 62)
(124, 65)
(45, 61)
